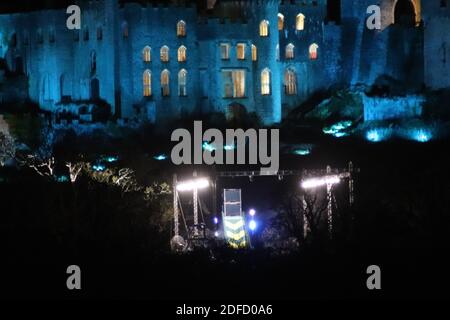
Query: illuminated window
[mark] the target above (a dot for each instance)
(241, 51)
(264, 28)
(164, 54)
(300, 22)
(254, 53)
(234, 83)
(182, 83)
(181, 29)
(225, 51)
(280, 22)
(182, 54)
(313, 51)
(265, 82)
(290, 51)
(147, 54)
(165, 83)
(147, 83)
(290, 82)
(125, 31)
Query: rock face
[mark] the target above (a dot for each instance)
(381, 108)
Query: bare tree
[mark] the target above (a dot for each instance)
(75, 170)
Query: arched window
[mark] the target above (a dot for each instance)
(147, 83)
(13, 40)
(125, 30)
(265, 82)
(254, 53)
(181, 29)
(300, 22)
(165, 83)
(164, 54)
(290, 82)
(289, 54)
(280, 22)
(264, 28)
(313, 51)
(147, 54)
(182, 83)
(182, 54)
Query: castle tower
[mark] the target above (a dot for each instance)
(267, 106)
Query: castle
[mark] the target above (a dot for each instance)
(159, 61)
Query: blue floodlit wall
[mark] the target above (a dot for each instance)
(79, 65)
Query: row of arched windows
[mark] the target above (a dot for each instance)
(165, 83)
(241, 49)
(164, 54)
(299, 24)
(290, 82)
(290, 51)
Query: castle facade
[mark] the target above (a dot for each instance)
(157, 61)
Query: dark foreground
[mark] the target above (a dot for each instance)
(401, 224)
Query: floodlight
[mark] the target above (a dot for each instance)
(322, 181)
(193, 184)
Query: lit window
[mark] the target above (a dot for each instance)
(164, 54)
(264, 28)
(265, 82)
(290, 82)
(225, 51)
(280, 22)
(147, 54)
(313, 51)
(241, 51)
(234, 83)
(300, 22)
(290, 51)
(182, 54)
(147, 83)
(165, 83)
(254, 53)
(181, 29)
(182, 83)
(125, 31)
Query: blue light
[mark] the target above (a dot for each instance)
(216, 220)
(98, 167)
(111, 159)
(421, 135)
(208, 147)
(62, 179)
(302, 152)
(160, 157)
(338, 129)
(373, 136)
(229, 147)
(252, 225)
